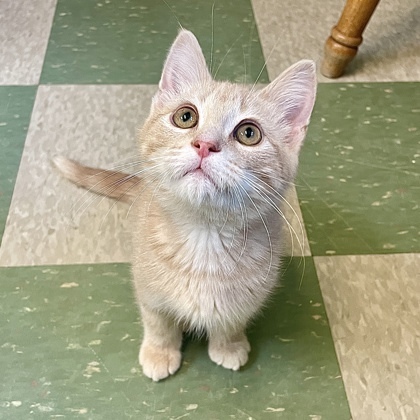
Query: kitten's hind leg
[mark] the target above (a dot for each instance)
(229, 350)
(160, 351)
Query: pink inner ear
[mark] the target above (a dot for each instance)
(293, 96)
(185, 65)
(298, 109)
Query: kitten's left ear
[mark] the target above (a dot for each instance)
(293, 96)
(185, 65)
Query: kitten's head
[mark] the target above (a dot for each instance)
(208, 141)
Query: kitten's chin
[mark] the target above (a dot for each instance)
(197, 188)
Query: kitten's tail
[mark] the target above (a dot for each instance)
(117, 185)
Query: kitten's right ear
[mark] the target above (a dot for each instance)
(185, 65)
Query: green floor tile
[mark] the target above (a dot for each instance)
(126, 42)
(359, 183)
(16, 104)
(70, 339)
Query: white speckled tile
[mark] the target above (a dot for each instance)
(390, 50)
(50, 220)
(373, 305)
(25, 29)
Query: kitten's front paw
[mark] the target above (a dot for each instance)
(157, 362)
(230, 355)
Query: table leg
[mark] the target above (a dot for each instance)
(346, 36)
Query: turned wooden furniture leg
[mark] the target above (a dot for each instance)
(341, 46)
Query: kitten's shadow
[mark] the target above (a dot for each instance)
(285, 318)
(193, 348)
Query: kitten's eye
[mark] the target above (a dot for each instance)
(248, 134)
(185, 117)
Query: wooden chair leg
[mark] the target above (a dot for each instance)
(346, 36)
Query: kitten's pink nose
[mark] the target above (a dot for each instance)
(204, 147)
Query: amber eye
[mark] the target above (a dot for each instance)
(185, 117)
(248, 134)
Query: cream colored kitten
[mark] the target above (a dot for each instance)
(216, 160)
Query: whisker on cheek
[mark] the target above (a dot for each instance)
(268, 189)
(265, 195)
(266, 230)
(244, 222)
(105, 188)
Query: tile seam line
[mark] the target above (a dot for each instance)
(98, 263)
(19, 85)
(156, 84)
(365, 255)
(36, 87)
(65, 264)
(336, 82)
(347, 389)
(48, 42)
(18, 267)
(255, 27)
(128, 263)
(96, 84)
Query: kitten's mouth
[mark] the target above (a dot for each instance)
(197, 171)
(200, 174)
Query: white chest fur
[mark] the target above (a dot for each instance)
(206, 276)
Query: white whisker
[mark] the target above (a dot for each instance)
(283, 199)
(274, 178)
(157, 188)
(261, 71)
(269, 201)
(212, 38)
(173, 13)
(143, 180)
(251, 34)
(244, 215)
(227, 53)
(140, 192)
(290, 227)
(87, 199)
(265, 227)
